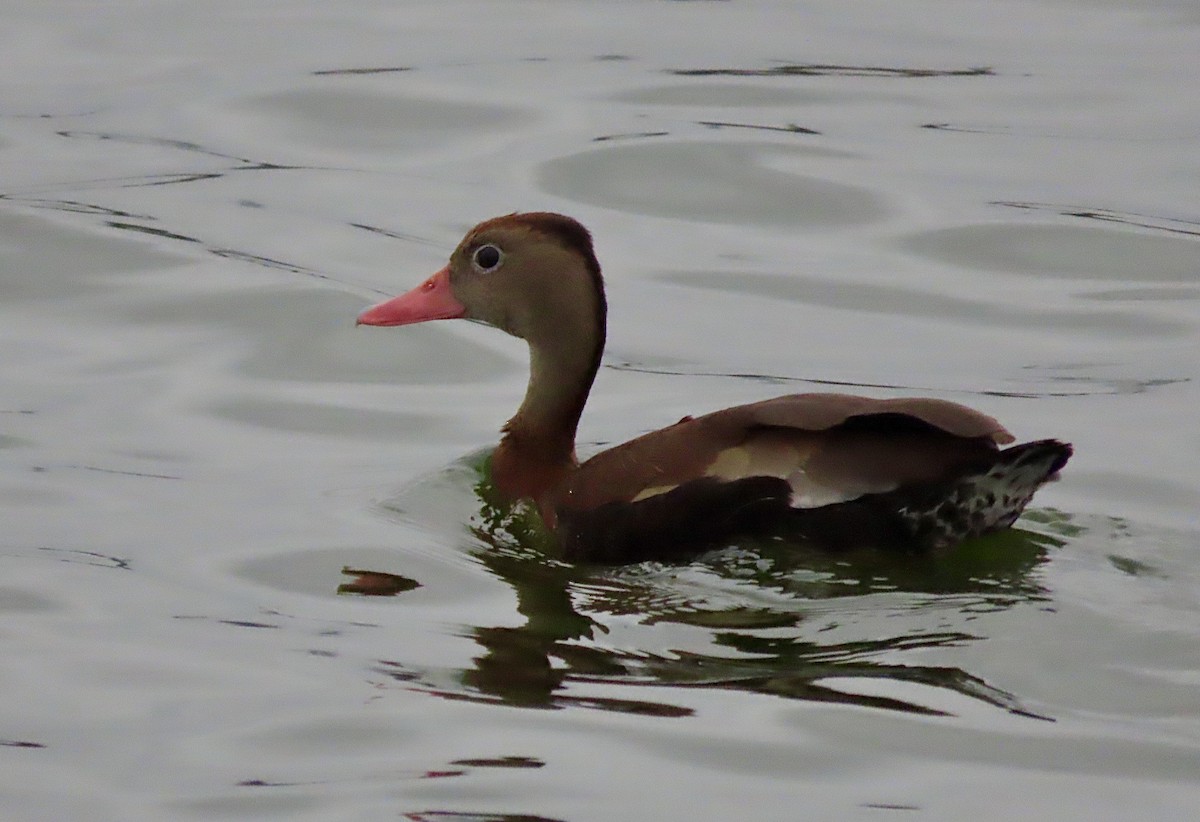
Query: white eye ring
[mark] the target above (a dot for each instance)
(487, 258)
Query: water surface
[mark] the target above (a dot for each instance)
(198, 450)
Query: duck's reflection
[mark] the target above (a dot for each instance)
(560, 657)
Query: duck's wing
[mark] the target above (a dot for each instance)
(827, 447)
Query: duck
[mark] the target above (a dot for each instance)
(917, 475)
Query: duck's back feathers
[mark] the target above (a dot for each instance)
(828, 447)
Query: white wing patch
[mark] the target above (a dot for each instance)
(784, 455)
(653, 491)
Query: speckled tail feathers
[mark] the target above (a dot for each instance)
(982, 500)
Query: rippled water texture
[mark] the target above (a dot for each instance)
(250, 569)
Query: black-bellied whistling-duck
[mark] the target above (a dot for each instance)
(838, 470)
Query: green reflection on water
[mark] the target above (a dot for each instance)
(770, 611)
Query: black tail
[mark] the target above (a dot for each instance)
(984, 499)
(936, 516)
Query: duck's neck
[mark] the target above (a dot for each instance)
(537, 451)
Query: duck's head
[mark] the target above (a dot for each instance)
(534, 275)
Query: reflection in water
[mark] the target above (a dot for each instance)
(742, 183)
(456, 816)
(761, 648)
(828, 69)
(1068, 252)
(87, 558)
(1084, 385)
(965, 129)
(1171, 225)
(790, 128)
(905, 301)
(375, 583)
(632, 135)
(368, 70)
(230, 164)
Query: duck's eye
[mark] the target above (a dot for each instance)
(487, 258)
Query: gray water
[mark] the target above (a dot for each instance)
(994, 203)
